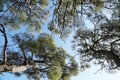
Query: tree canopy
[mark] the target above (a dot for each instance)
(37, 55)
(15, 13)
(100, 45)
(40, 57)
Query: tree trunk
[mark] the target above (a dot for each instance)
(13, 68)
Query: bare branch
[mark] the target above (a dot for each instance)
(5, 43)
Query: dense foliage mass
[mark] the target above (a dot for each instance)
(41, 58)
(101, 45)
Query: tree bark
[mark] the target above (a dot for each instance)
(2, 30)
(13, 68)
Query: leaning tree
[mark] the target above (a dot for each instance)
(39, 58)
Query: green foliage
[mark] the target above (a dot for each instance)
(52, 59)
(24, 16)
(68, 14)
(111, 26)
(100, 45)
(44, 3)
(33, 13)
(42, 53)
(66, 77)
(46, 44)
(98, 4)
(26, 12)
(1, 5)
(55, 73)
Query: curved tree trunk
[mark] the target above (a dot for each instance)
(2, 30)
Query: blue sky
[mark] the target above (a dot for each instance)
(88, 74)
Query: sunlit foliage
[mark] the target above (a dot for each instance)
(15, 13)
(43, 56)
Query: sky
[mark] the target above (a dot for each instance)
(88, 74)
